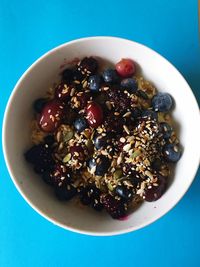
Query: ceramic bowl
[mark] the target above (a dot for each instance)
(33, 84)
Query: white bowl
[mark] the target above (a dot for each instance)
(16, 134)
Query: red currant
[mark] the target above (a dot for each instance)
(155, 192)
(94, 114)
(125, 68)
(51, 115)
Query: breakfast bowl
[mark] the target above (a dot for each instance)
(46, 71)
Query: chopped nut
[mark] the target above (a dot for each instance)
(122, 140)
(127, 147)
(108, 104)
(126, 129)
(127, 114)
(119, 159)
(149, 174)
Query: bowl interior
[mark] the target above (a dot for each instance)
(40, 76)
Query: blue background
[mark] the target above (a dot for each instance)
(30, 28)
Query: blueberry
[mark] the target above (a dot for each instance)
(92, 163)
(110, 76)
(172, 152)
(88, 194)
(78, 76)
(85, 199)
(149, 114)
(156, 164)
(80, 124)
(101, 165)
(130, 84)
(123, 192)
(49, 140)
(97, 205)
(94, 82)
(89, 64)
(166, 129)
(93, 192)
(135, 178)
(134, 181)
(100, 141)
(67, 75)
(162, 102)
(136, 113)
(39, 104)
(65, 192)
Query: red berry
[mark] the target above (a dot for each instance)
(114, 207)
(94, 114)
(125, 68)
(155, 192)
(83, 98)
(51, 115)
(62, 91)
(79, 100)
(77, 152)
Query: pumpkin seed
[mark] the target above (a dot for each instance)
(161, 117)
(89, 145)
(110, 187)
(92, 135)
(87, 133)
(127, 147)
(67, 158)
(135, 154)
(118, 174)
(67, 136)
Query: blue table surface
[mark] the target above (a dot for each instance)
(30, 28)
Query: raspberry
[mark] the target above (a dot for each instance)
(113, 123)
(114, 207)
(119, 98)
(40, 156)
(155, 192)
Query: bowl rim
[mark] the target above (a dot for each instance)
(12, 175)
